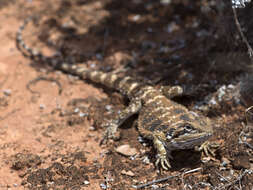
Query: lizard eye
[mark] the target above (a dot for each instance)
(188, 128)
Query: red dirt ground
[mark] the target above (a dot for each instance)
(46, 139)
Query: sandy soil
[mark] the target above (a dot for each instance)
(50, 140)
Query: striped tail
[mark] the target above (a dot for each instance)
(32, 53)
(125, 85)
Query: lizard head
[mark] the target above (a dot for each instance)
(190, 131)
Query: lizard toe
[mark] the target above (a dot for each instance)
(163, 161)
(110, 133)
(208, 148)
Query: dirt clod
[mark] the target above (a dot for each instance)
(21, 161)
(58, 175)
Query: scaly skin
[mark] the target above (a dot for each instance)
(168, 124)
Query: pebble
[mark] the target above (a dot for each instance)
(92, 128)
(81, 114)
(140, 139)
(129, 173)
(86, 182)
(108, 107)
(42, 106)
(76, 110)
(136, 18)
(7, 92)
(126, 150)
(103, 186)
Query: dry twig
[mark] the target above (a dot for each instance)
(238, 180)
(34, 81)
(165, 178)
(250, 51)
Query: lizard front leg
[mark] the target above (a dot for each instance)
(162, 154)
(208, 148)
(134, 107)
(171, 91)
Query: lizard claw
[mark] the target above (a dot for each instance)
(164, 162)
(207, 148)
(110, 133)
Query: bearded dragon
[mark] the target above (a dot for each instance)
(169, 125)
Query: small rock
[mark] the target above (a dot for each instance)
(81, 114)
(103, 186)
(136, 18)
(108, 107)
(7, 92)
(86, 182)
(92, 128)
(42, 106)
(129, 173)
(144, 144)
(126, 150)
(140, 139)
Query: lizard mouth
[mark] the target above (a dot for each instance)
(190, 141)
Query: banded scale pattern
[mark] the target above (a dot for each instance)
(126, 85)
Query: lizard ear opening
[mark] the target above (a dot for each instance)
(170, 134)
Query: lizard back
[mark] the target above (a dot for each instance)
(173, 123)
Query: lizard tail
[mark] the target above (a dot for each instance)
(55, 61)
(125, 85)
(31, 53)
